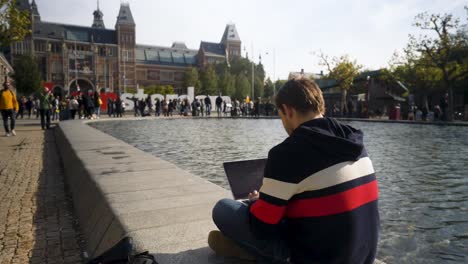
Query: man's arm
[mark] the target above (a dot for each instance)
(15, 102)
(267, 212)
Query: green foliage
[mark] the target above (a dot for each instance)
(14, 24)
(227, 83)
(242, 87)
(341, 69)
(27, 77)
(209, 81)
(438, 60)
(269, 89)
(192, 78)
(159, 89)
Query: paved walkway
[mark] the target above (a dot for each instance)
(36, 214)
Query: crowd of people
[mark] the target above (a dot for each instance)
(198, 107)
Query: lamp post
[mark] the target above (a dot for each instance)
(253, 73)
(367, 96)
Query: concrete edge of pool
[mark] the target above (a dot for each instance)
(119, 190)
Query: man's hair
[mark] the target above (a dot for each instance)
(301, 94)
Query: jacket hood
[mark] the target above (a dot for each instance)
(331, 137)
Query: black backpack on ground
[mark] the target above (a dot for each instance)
(122, 253)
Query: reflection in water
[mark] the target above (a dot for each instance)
(422, 172)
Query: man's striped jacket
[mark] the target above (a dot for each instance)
(321, 193)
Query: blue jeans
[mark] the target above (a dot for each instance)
(232, 219)
(11, 114)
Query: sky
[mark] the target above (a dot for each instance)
(287, 34)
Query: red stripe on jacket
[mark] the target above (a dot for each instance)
(335, 203)
(267, 212)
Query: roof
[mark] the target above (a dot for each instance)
(166, 55)
(5, 62)
(70, 32)
(230, 34)
(125, 16)
(179, 45)
(308, 75)
(23, 5)
(213, 49)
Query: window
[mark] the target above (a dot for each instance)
(141, 74)
(102, 51)
(56, 67)
(167, 76)
(39, 46)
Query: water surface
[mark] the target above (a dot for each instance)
(422, 172)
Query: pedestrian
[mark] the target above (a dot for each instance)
(22, 107)
(202, 107)
(97, 103)
(29, 106)
(8, 107)
(208, 105)
(45, 107)
(89, 105)
(170, 107)
(74, 106)
(37, 107)
(158, 107)
(149, 104)
(218, 102)
(118, 107)
(110, 106)
(319, 198)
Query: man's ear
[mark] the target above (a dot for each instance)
(288, 111)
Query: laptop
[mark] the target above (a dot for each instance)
(244, 176)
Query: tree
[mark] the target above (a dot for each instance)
(242, 87)
(259, 80)
(227, 83)
(209, 81)
(14, 24)
(444, 51)
(343, 70)
(27, 77)
(191, 78)
(159, 89)
(268, 90)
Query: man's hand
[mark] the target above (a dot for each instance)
(254, 195)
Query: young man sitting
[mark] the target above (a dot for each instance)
(319, 198)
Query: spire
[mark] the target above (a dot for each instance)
(125, 16)
(98, 21)
(230, 34)
(35, 11)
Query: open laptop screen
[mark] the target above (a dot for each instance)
(244, 176)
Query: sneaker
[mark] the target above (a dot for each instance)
(13, 132)
(7, 135)
(225, 247)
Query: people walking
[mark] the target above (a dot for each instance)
(208, 105)
(219, 102)
(29, 106)
(97, 104)
(45, 107)
(8, 107)
(21, 107)
(37, 106)
(158, 107)
(74, 106)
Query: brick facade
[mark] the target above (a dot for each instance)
(96, 58)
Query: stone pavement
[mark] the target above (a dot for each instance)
(36, 215)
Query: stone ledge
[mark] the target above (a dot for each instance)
(120, 191)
